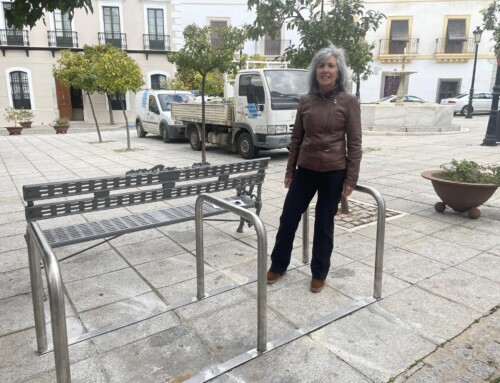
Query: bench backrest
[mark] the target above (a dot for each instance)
(62, 198)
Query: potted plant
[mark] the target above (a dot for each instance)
(22, 116)
(464, 185)
(61, 125)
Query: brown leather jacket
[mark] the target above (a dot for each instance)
(327, 135)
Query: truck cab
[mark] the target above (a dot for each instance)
(265, 105)
(153, 113)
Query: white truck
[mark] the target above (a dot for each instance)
(260, 115)
(152, 113)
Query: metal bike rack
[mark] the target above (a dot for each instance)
(39, 249)
(379, 250)
(261, 260)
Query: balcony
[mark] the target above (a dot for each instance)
(63, 39)
(391, 51)
(118, 40)
(156, 42)
(454, 50)
(14, 37)
(272, 48)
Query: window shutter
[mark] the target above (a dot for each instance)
(399, 30)
(456, 30)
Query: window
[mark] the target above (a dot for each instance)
(156, 29)
(399, 36)
(249, 81)
(20, 89)
(214, 25)
(64, 34)
(272, 47)
(112, 31)
(115, 101)
(13, 36)
(455, 36)
(157, 81)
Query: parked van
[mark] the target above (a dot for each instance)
(152, 110)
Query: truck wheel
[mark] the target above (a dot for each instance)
(246, 148)
(194, 139)
(140, 130)
(164, 133)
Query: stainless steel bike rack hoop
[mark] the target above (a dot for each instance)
(379, 250)
(261, 260)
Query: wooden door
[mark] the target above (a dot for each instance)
(63, 100)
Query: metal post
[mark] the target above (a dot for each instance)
(261, 258)
(56, 301)
(493, 129)
(305, 237)
(477, 39)
(36, 292)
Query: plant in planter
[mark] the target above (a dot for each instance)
(464, 185)
(61, 125)
(22, 116)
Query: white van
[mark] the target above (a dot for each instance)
(152, 110)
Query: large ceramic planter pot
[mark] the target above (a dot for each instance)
(61, 129)
(14, 130)
(460, 196)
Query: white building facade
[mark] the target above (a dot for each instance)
(434, 35)
(437, 40)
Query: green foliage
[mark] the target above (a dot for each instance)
(491, 22)
(62, 121)
(200, 56)
(174, 83)
(345, 24)
(18, 115)
(77, 69)
(27, 13)
(470, 172)
(189, 79)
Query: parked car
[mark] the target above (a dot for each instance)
(407, 98)
(153, 113)
(481, 102)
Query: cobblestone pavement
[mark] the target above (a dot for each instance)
(473, 356)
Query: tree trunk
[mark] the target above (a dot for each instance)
(344, 205)
(126, 124)
(110, 108)
(95, 118)
(358, 86)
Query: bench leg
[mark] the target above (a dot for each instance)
(37, 293)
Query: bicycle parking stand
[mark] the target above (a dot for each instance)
(379, 250)
(261, 259)
(219, 369)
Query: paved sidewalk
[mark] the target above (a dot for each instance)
(436, 321)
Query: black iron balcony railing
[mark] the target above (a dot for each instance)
(398, 47)
(63, 39)
(118, 40)
(446, 46)
(275, 47)
(14, 37)
(156, 42)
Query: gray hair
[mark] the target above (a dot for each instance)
(320, 56)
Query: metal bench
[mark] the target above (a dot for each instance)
(65, 198)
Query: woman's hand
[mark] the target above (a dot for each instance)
(346, 191)
(288, 182)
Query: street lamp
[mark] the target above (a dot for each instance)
(477, 39)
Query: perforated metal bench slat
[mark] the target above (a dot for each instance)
(83, 232)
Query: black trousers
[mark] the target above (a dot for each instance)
(304, 186)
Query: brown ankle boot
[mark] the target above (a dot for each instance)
(273, 277)
(317, 285)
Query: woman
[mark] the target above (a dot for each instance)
(325, 156)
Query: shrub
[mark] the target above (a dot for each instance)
(470, 172)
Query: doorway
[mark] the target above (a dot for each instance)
(391, 85)
(76, 104)
(448, 88)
